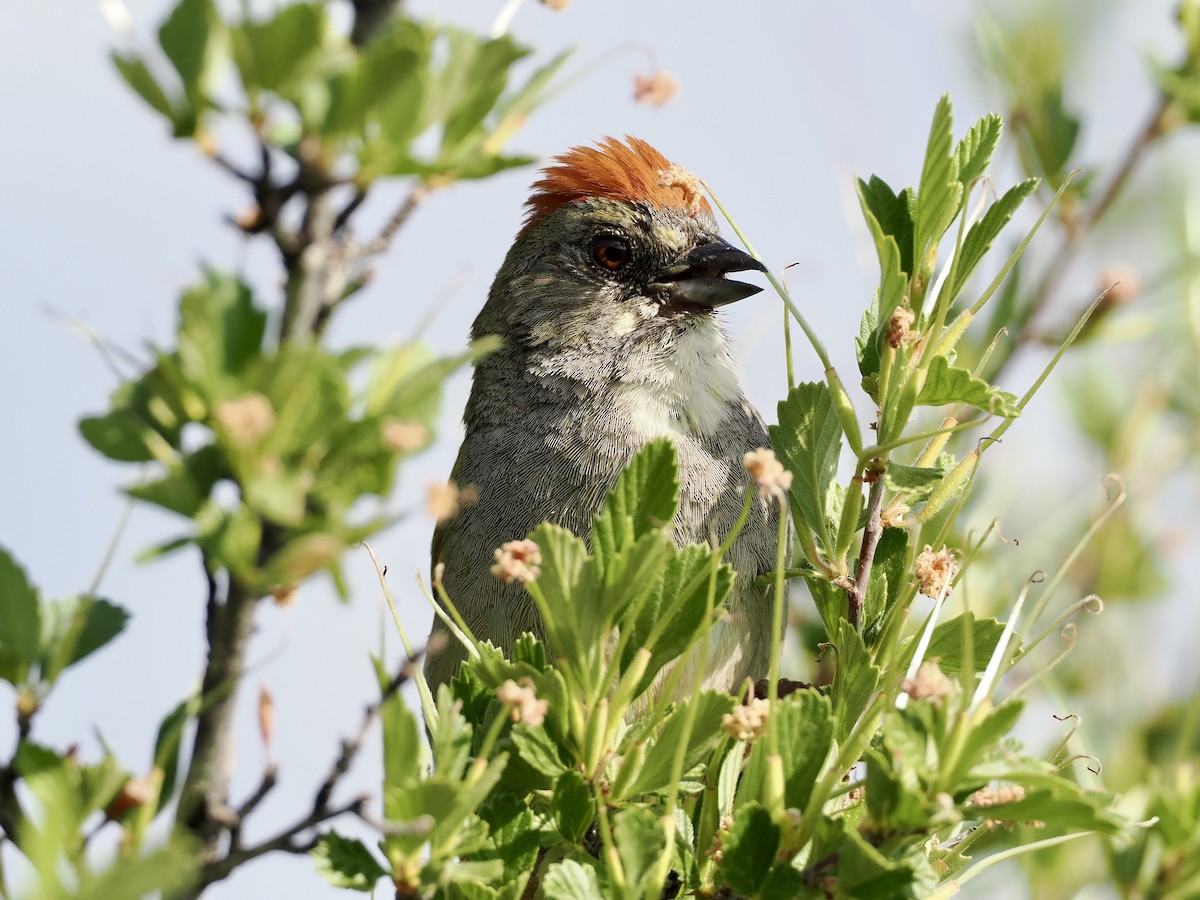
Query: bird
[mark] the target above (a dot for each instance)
(607, 305)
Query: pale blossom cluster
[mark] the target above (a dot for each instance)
(935, 571)
(247, 419)
(443, 500)
(773, 480)
(689, 184)
(403, 437)
(930, 683)
(748, 720)
(656, 89)
(518, 561)
(521, 699)
(994, 796)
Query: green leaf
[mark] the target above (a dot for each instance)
(563, 587)
(572, 880)
(644, 499)
(711, 707)
(916, 483)
(271, 55)
(640, 841)
(805, 726)
(482, 73)
(166, 745)
(20, 636)
(889, 573)
(138, 76)
(984, 737)
(192, 37)
(73, 629)
(187, 484)
(981, 235)
(866, 874)
(346, 862)
(893, 800)
(671, 616)
(573, 806)
(888, 215)
(854, 680)
(220, 332)
(537, 749)
(749, 852)
(405, 757)
(974, 151)
(808, 440)
(946, 642)
(940, 193)
(945, 384)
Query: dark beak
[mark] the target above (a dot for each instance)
(696, 282)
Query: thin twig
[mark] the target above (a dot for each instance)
(866, 556)
(416, 197)
(1077, 229)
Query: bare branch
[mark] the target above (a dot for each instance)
(866, 556)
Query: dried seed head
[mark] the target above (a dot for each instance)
(772, 478)
(285, 596)
(930, 683)
(993, 796)
(934, 571)
(656, 89)
(679, 177)
(899, 327)
(266, 716)
(247, 419)
(521, 699)
(748, 720)
(403, 437)
(518, 561)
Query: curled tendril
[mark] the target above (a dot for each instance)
(1070, 759)
(1112, 479)
(1014, 542)
(1057, 718)
(1090, 604)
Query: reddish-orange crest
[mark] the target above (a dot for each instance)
(631, 172)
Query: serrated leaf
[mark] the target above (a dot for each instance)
(346, 862)
(537, 749)
(192, 37)
(984, 738)
(974, 151)
(892, 214)
(854, 680)
(808, 441)
(888, 575)
(20, 636)
(981, 235)
(572, 880)
(891, 802)
(945, 384)
(866, 874)
(940, 192)
(573, 806)
(644, 499)
(749, 851)
(711, 707)
(405, 756)
(804, 723)
(640, 841)
(913, 483)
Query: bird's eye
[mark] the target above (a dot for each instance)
(610, 251)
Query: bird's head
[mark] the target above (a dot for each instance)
(619, 253)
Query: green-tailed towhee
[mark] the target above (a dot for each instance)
(607, 307)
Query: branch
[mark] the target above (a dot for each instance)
(1079, 228)
(866, 556)
(320, 812)
(417, 196)
(203, 802)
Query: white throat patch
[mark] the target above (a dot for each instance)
(686, 388)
